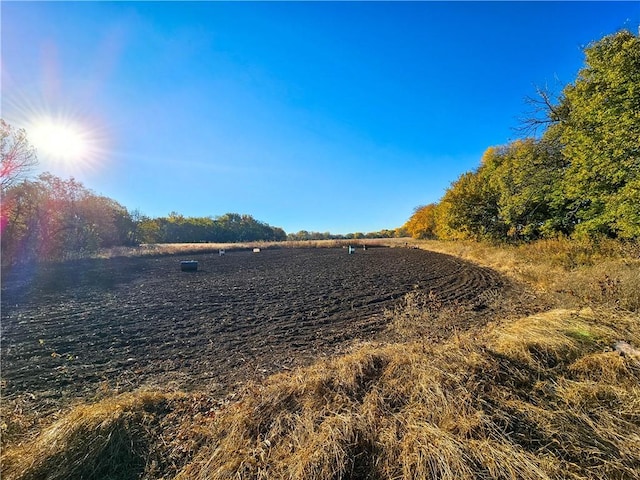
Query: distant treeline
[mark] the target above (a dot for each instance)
(580, 177)
(305, 235)
(230, 227)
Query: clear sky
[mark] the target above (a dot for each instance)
(322, 116)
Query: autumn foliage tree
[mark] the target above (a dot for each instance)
(422, 223)
(49, 218)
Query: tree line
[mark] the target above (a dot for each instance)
(48, 219)
(576, 174)
(304, 235)
(228, 228)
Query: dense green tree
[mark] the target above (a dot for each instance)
(148, 230)
(601, 137)
(526, 176)
(227, 228)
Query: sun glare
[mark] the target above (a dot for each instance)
(64, 144)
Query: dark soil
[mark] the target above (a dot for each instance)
(70, 329)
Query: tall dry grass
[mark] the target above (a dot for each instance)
(521, 401)
(106, 440)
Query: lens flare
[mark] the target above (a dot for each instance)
(66, 145)
(63, 142)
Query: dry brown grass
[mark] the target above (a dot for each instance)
(104, 440)
(573, 273)
(544, 396)
(144, 434)
(517, 402)
(425, 316)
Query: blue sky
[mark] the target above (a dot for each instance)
(322, 116)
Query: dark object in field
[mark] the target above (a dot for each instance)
(189, 266)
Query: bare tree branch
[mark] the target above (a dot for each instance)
(18, 155)
(546, 108)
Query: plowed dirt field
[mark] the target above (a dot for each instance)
(69, 329)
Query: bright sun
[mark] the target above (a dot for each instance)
(62, 141)
(66, 145)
